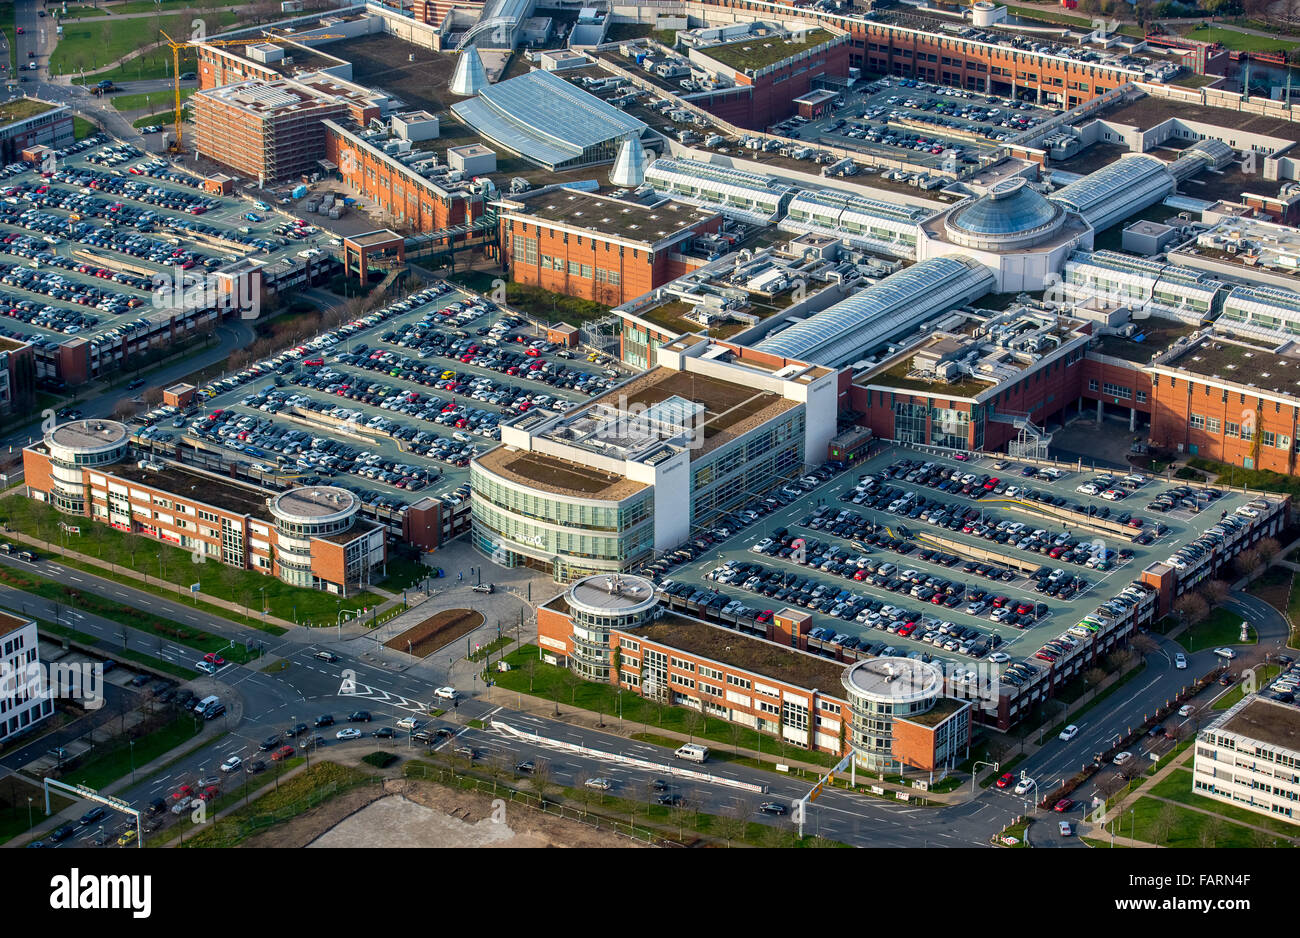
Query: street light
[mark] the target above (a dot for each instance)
(132, 742)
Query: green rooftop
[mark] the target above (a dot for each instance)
(897, 377)
(755, 52)
(22, 108)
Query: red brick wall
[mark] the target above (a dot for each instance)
(326, 560)
(638, 271)
(1126, 377)
(216, 70)
(1176, 399)
(411, 204)
(36, 471)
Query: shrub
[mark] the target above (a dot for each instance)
(380, 760)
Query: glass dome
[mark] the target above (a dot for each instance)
(1010, 207)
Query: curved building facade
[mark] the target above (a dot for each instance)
(302, 514)
(1117, 190)
(599, 605)
(899, 716)
(81, 444)
(1010, 217)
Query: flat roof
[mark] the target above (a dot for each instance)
(943, 708)
(196, 487)
(741, 651)
(894, 677)
(560, 476)
(1156, 336)
(1216, 357)
(630, 220)
(754, 52)
(372, 238)
(1268, 721)
(1147, 111)
(90, 434)
(20, 109)
(314, 502)
(11, 623)
(613, 593)
(730, 410)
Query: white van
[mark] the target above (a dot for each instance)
(692, 752)
(206, 704)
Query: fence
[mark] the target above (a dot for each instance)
(250, 825)
(498, 790)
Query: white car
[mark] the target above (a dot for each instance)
(349, 733)
(1024, 785)
(1123, 757)
(232, 764)
(1185, 710)
(446, 693)
(1180, 661)
(600, 784)
(1069, 732)
(999, 657)
(207, 667)
(1225, 653)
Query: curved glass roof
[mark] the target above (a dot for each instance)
(844, 331)
(1009, 208)
(1128, 180)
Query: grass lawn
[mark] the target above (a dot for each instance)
(403, 573)
(1195, 81)
(1177, 786)
(555, 683)
(154, 64)
(491, 648)
(287, 800)
(1220, 628)
(1264, 676)
(15, 818)
(1244, 42)
(82, 128)
(87, 46)
(1261, 480)
(121, 613)
(1188, 828)
(134, 102)
(110, 763)
(165, 119)
(175, 670)
(176, 565)
(542, 305)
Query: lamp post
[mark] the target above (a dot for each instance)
(132, 761)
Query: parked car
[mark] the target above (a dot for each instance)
(1069, 733)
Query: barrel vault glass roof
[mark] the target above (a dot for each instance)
(1024, 210)
(544, 117)
(810, 201)
(846, 330)
(1120, 181)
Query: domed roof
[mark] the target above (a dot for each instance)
(1009, 207)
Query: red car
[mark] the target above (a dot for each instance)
(183, 792)
(1006, 780)
(1065, 804)
(284, 752)
(213, 658)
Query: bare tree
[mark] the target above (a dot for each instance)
(1145, 645)
(1163, 824)
(1094, 676)
(1248, 562)
(1191, 608)
(541, 782)
(1216, 591)
(692, 723)
(1211, 831)
(734, 820)
(1268, 549)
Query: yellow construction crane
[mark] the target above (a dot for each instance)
(176, 47)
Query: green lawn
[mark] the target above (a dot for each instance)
(135, 102)
(1220, 628)
(1265, 676)
(540, 304)
(82, 128)
(1187, 827)
(108, 764)
(129, 654)
(1177, 786)
(87, 46)
(165, 119)
(154, 64)
(7, 26)
(555, 683)
(1260, 480)
(175, 565)
(122, 613)
(1244, 42)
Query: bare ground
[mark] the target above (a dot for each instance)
(414, 813)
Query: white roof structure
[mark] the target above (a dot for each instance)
(733, 192)
(470, 77)
(630, 165)
(885, 227)
(1117, 190)
(1266, 312)
(850, 328)
(1148, 287)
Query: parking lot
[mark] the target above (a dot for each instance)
(998, 573)
(392, 404)
(896, 118)
(85, 241)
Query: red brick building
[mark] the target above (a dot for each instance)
(599, 248)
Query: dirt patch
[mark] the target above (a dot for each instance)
(429, 815)
(310, 825)
(436, 632)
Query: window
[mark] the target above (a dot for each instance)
(738, 681)
(526, 248)
(1231, 429)
(1141, 397)
(1212, 424)
(1198, 422)
(1092, 384)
